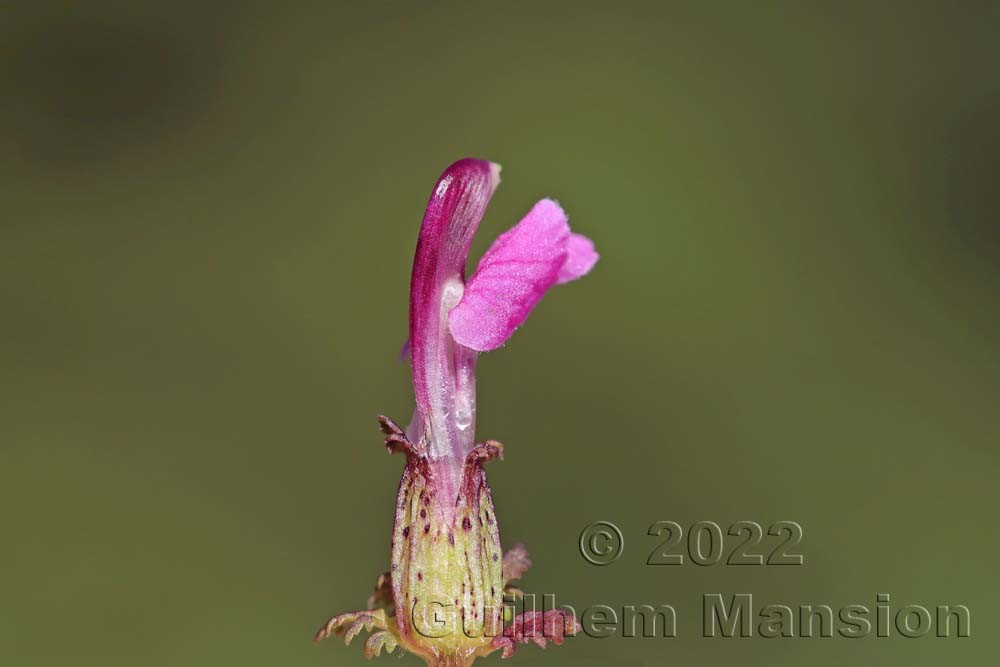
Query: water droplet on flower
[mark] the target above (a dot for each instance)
(463, 418)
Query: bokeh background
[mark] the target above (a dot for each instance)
(207, 220)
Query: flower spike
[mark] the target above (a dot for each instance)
(443, 597)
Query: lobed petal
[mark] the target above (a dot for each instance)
(580, 258)
(515, 273)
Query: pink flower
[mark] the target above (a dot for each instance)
(452, 319)
(446, 544)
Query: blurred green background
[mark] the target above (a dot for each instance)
(208, 219)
